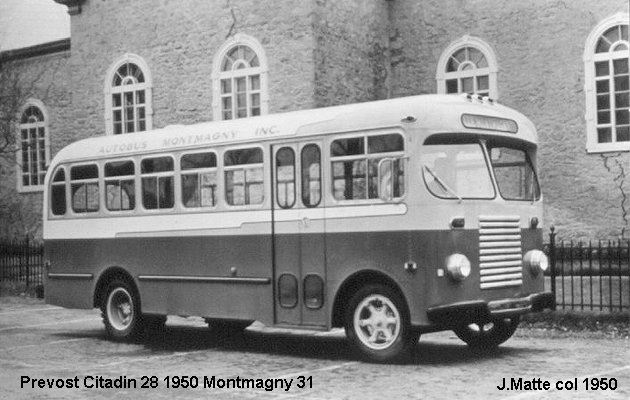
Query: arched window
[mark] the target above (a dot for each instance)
(607, 86)
(128, 105)
(33, 147)
(468, 65)
(240, 79)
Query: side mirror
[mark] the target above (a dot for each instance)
(385, 179)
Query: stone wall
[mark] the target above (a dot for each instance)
(351, 51)
(539, 46)
(45, 78)
(326, 52)
(179, 44)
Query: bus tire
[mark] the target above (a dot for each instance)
(487, 335)
(121, 311)
(378, 326)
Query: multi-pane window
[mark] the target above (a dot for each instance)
(240, 83)
(33, 146)
(467, 72)
(612, 86)
(355, 165)
(468, 65)
(157, 183)
(244, 176)
(128, 99)
(120, 194)
(199, 179)
(84, 188)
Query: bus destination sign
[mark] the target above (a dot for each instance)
(475, 121)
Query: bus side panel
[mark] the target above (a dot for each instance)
(69, 293)
(387, 252)
(174, 261)
(349, 253)
(65, 257)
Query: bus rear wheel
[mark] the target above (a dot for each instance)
(487, 335)
(378, 326)
(121, 310)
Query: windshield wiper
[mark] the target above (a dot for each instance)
(444, 185)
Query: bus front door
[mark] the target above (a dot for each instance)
(299, 234)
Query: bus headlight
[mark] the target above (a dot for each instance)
(458, 266)
(536, 260)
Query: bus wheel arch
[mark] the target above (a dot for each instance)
(104, 280)
(352, 284)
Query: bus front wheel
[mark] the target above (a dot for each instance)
(487, 335)
(378, 326)
(121, 310)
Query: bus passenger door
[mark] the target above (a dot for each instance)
(299, 232)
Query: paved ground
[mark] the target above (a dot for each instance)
(68, 347)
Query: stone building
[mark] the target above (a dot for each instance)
(146, 64)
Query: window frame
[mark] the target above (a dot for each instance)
(590, 57)
(70, 182)
(109, 90)
(157, 175)
(65, 185)
(21, 187)
(120, 178)
(198, 172)
(218, 75)
(367, 157)
(287, 183)
(226, 168)
(491, 70)
(304, 181)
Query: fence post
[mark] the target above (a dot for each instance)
(27, 253)
(552, 262)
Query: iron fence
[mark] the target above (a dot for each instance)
(592, 276)
(21, 261)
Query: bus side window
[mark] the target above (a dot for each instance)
(390, 143)
(157, 183)
(199, 179)
(355, 165)
(311, 175)
(349, 168)
(84, 188)
(120, 186)
(285, 177)
(244, 176)
(58, 193)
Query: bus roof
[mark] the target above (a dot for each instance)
(435, 113)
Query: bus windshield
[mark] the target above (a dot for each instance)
(457, 171)
(514, 173)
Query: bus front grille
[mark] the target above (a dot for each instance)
(500, 255)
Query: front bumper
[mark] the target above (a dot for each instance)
(478, 311)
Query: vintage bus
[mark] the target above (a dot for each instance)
(390, 219)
